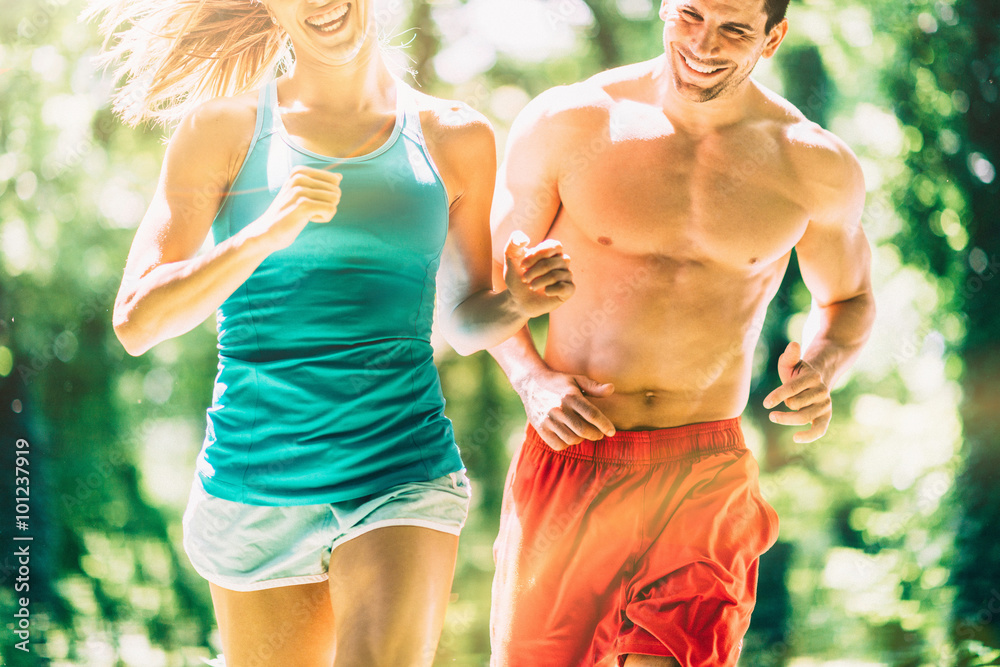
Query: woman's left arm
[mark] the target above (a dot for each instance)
(472, 314)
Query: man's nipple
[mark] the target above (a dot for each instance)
(604, 240)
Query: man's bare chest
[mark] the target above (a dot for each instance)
(732, 199)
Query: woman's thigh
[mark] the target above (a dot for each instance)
(389, 590)
(276, 627)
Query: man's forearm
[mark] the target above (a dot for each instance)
(843, 329)
(519, 358)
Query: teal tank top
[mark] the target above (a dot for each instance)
(326, 386)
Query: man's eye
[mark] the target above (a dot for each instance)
(692, 15)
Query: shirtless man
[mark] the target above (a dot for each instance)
(632, 518)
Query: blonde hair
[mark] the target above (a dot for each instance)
(175, 54)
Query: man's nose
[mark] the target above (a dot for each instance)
(704, 43)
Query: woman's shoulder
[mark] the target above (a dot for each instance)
(452, 124)
(460, 140)
(215, 136)
(224, 116)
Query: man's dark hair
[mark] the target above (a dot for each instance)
(775, 10)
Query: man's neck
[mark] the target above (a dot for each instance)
(700, 117)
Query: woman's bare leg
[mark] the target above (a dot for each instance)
(276, 627)
(389, 590)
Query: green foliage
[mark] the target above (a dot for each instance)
(862, 569)
(105, 562)
(946, 91)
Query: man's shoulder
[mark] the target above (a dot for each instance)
(808, 144)
(822, 158)
(585, 103)
(568, 105)
(825, 167)
(626, 81)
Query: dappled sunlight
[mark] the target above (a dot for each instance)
(873, 515)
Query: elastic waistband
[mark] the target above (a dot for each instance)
(657, 446)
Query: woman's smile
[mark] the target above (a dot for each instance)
(330, 21)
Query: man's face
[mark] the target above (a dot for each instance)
(713, 45)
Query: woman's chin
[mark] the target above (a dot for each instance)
(341, 52)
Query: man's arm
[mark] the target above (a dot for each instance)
(835, 259)
(527, 200)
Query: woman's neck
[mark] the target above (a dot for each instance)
(362, 83)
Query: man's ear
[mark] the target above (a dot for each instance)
(663, 9)
(774, 38)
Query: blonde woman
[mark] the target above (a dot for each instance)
(329, 492)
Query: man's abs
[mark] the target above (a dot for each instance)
(652, 391)
(675, 337)
(678, 242)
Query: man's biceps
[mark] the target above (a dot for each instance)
(832, 241)
(528, 186)
(831, 288)
(500, 235)
(826, 270)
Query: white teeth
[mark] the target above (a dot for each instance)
(323, 20)
(700, 68)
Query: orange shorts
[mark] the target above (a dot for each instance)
(645, 542)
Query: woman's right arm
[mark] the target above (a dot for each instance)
(167, 291)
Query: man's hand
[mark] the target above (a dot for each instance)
(539, 279)
(804, 392)
(557, 408)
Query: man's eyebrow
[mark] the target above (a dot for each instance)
(746, 27)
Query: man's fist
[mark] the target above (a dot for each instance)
(538, 278)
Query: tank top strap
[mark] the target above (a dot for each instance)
(407, 101)
(413, 129)
(267, 108)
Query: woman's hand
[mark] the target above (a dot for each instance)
(309, 195)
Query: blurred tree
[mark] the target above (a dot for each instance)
(102, 562)
(424, 44)
(603, 34)
(945, 80)
(73, 184)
